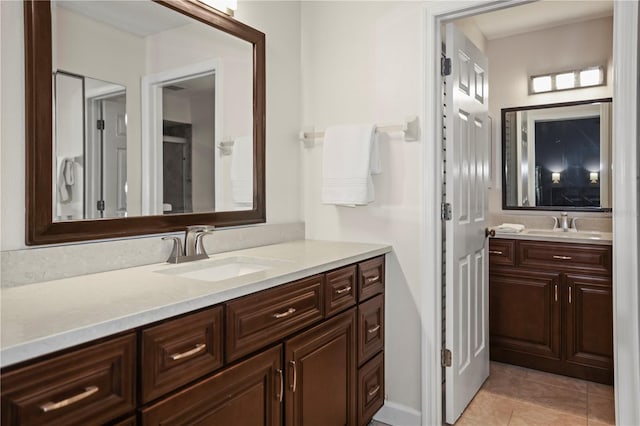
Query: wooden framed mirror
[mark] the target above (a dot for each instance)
(557, 156)
(65, 193)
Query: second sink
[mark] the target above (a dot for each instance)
(570, 234)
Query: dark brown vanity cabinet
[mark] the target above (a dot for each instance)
(306, 353)
(551, 307)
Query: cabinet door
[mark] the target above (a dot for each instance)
(246, 394)
(589, 321)
(321, 374)
(524, 315)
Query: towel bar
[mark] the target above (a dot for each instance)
(411, 130)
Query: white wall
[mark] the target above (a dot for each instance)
(106, 53)
(513, 59)
(361, 62)
(280, 20)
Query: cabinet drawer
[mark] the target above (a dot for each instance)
(262, 318)
(248, 393)
(370, 278)
(370, 328)
(181, 350)
(87, 386)
(340, 290)
(370, 389)
(566, 257)
(502, 252)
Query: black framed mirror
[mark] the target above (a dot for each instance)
(86, 183)
(557, 156)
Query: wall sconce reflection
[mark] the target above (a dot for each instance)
(593, 177)
(555, 177)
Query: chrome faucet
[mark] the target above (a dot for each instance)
(193, 246)
(564, 222)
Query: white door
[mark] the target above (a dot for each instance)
(114, 151)
(467, 174)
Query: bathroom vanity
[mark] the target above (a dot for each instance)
(551, 305)
(301, 342)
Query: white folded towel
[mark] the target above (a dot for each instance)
(509, 228)
(242, 171)
(349, 157)
(66, 179)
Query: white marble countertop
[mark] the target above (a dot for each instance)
(572, 236)
(41, 318)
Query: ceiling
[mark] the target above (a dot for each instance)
(540, 15)
(135, 17)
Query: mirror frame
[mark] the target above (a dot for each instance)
(40, 228)
(503, 112)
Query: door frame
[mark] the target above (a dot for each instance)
(625, 153)
(152, 117)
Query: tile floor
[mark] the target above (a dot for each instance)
(519, 396)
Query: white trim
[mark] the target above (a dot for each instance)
(396, 414)
(151, 88)
(625, 208)
(626, 297)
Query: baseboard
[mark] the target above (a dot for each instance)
(396, 414)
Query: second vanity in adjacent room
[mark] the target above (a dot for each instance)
(550, 281)
(551, 305)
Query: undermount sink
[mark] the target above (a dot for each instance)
(562, 234)
(223, 269)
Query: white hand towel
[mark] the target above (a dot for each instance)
(66, 178)
(349, 157)
(242, 171)
(510, 228)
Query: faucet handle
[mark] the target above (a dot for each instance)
(176, 253)
(200, 251)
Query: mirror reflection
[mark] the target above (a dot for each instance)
(557, 157)
(153, 113)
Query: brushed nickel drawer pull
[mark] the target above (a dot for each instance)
(374, 390)
(373, 279)
(569, 294)
(343, 290)
(373, 329)
(555, 289)
(498, 252)
(52, 406)
(562, 257)
(285, 313)
(198, 348)
(279, 371)
(295, 376)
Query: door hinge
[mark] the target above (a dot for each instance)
(445, 211)
(100, 124)
(446, 358)
(445, 66)
(100, 205)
